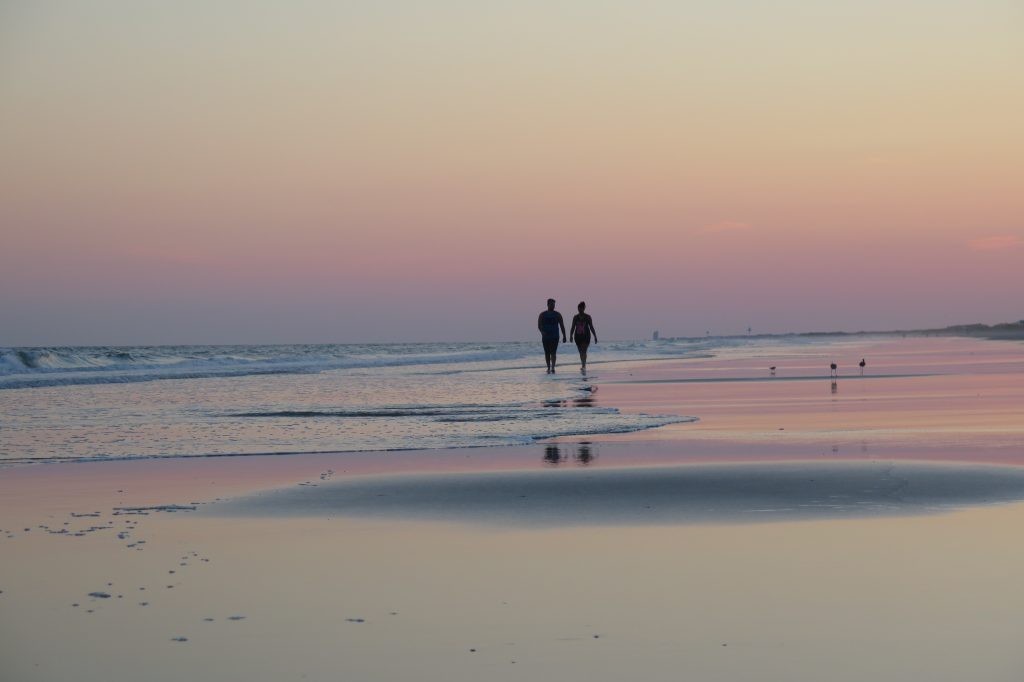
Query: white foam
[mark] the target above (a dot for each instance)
(65, 366)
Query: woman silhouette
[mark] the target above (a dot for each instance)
(581, 330)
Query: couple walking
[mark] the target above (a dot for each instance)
(581, 330)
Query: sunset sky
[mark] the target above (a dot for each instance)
(246, 172)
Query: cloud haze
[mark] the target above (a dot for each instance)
(727, 226)
(309, 171)
(998, 243)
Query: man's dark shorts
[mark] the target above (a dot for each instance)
(551, 345)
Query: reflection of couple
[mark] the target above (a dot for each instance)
(582, 454)
(581, 330)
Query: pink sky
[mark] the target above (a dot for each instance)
(311, 173)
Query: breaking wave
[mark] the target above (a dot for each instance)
(83, 365)
(57, 366)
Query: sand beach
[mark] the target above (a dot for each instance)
(792, 533)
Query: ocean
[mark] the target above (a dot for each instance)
(90, 403)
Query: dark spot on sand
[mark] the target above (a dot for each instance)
(356, 620)
(99, 595)
(236, 617)
(143, 603)
(179, 639)
(207, 620)
(472, 651)
(144, 511)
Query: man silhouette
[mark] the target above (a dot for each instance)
(549, 322)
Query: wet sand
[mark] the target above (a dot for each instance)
(647, 496)
(873, 537)
(949, 399)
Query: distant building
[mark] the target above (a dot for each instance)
(655, 335)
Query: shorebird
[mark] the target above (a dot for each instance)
(835, 369)
(862, 364)
(772, 368)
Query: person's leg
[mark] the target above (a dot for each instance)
(549, 353)
(582, 346)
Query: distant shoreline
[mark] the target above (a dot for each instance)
(1002, 331)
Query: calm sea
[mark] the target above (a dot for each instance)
(78, 403)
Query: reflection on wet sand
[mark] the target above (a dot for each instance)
(650, 495)
(583, 453)
(553, 454)
(586, 401)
